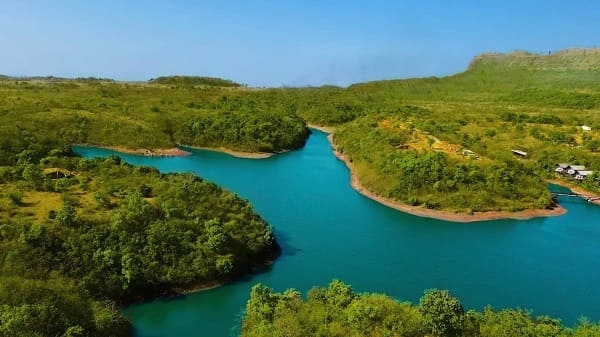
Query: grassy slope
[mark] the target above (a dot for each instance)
(535, 103)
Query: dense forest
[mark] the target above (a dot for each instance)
(44, 114)
(78, 237)
(336, 310)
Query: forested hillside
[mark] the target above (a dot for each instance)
(47, 113)
(446, 143)
(440, 143)
(337, 310)
(79, 237)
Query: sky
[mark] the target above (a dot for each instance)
(280, 43)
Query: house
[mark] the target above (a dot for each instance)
(586, 128)
(562, 167)
(583, 174)
(520, 153)
(573, 169)
(579, 172)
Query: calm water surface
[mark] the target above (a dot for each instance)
(327, 231)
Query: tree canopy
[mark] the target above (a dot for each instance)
(73, 248)
(336, 310)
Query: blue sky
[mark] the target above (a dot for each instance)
(276, 43)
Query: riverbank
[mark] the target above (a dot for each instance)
(326, 129)
(178, 152)
(576, 189)
(234, 153)
(171, 152)
(556, 210)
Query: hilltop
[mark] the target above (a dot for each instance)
(568, 59)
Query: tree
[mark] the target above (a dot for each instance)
(33, 176)
(339, 294)
(146, 191)
(67, 215)
(442, 313)
(102, 199)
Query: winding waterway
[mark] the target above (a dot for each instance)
(327, 230)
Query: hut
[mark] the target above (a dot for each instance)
(469, 154)
(57, 173)
(519, 153)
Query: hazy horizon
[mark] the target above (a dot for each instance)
(268, 43)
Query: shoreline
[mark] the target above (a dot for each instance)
(170, 152)
(200, 287)
(196, 287)
(179, 152)
(438, 214)
(576, 189)
(326, 129)
(234, 153)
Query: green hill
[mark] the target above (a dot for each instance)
(81, 236)
(406, 137)
(44, 115)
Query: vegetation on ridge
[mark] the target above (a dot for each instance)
(43, 115)
(337, 310)
(194, 81)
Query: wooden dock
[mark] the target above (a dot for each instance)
(588, 198)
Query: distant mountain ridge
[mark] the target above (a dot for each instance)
(54, 79)
(194, 80)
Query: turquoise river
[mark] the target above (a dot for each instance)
(327, 230)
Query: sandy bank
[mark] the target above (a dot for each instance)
(437, 214)
(326, 129)
(198, 287)
(172, 152)
(177, 152)
(238, 154)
